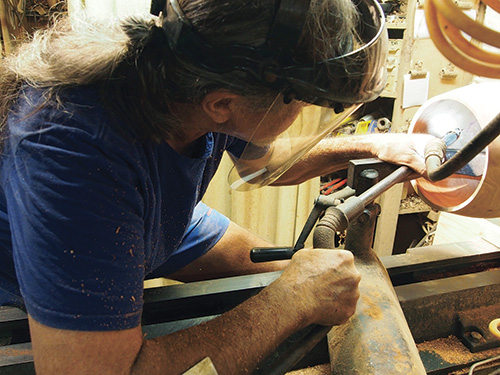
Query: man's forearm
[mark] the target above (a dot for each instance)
(229, 257)
(330, 155)
(235, 342)
(333, 154)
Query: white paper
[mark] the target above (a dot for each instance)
(420, 30)
(415, 91)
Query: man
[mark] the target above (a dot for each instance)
(112, 133)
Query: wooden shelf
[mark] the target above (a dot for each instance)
(396, 26)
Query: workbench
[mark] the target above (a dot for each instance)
(446, 292)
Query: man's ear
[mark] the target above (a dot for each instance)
(219, 105)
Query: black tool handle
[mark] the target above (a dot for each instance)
(267, 254)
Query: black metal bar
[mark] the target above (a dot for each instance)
(431, 307)
(308, 226)
(268, 254)
(468, 152)
(12, 318)
(357, 166)
(432, 262)
(193, 300)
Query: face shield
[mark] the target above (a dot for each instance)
(261, 163)
(345, 81)
(335, 87)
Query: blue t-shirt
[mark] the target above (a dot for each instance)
(86, 213)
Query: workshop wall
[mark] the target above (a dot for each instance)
(19, 18)
(276, 214)
(109, 8)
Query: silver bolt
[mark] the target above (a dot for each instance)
(475, 336)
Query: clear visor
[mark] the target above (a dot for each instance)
(358, 76)
(262, 163)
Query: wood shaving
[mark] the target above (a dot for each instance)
(315, 370)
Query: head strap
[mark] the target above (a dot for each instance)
(282, 39)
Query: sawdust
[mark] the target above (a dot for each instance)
(315, 370)
(371, 308)
(15, 352)
(451, 350)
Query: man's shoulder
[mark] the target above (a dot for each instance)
(69, 113)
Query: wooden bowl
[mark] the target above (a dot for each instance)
(474, 190)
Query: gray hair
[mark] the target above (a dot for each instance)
(130, 60)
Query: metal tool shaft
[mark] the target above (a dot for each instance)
(399, 175)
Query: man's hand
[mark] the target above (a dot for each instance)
(323, 285)
(403, 149)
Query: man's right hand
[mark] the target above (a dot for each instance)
(323, 284)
